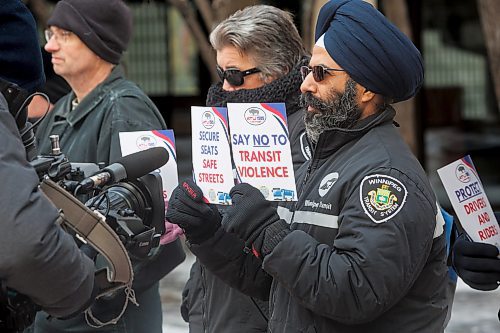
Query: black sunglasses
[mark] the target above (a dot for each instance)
(318, 72)
(235, 77)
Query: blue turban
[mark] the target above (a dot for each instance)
(20, 55)
(375, 53)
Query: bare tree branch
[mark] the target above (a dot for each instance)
(206, 13)
(206, 51)
(224, 8)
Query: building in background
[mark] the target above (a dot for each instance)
(455, 114)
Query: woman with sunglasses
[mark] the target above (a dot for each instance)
(259, 56)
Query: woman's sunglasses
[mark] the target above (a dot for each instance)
(318, 72)
(235, 77)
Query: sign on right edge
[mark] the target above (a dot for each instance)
(466, 193)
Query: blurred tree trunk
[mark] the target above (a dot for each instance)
(310, 11)
(397, 12)
(489, 11)
(40, 9)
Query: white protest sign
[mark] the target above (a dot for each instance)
(463, 186)
(211, 153)
(132, 142)
(261, 148)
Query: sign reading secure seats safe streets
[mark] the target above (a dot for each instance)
(261, 148)
(463, 186)
(132, 142)
(211, 153)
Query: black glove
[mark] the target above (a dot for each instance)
(187, 209)
(249, 217)
(477, 263)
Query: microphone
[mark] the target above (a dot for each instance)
(131, 166)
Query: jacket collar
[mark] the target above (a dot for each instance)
(89, 103)
(332, 140)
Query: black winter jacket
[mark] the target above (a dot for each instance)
(367, 251)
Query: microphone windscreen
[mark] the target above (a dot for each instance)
(143, 162)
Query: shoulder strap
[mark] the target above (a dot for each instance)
(93, 228)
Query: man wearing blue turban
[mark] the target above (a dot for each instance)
(363, 248)
(370, 49)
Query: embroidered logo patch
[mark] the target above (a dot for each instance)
(327, 183)
(382, 197)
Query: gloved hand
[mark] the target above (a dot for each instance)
(172, 231)
(187, 209)
(254, 219)
(476, 263)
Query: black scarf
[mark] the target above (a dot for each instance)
(285, 89)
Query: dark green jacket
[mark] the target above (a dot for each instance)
(89, 133)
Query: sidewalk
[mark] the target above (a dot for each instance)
(170, 290)
(473, 311)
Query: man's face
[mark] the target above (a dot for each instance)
(71, 58)
(332, 102)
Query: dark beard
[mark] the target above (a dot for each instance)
(340, 110)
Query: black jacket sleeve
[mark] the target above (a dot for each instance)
(37, 258)
(225, 256)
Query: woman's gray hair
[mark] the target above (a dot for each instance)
(265, 33)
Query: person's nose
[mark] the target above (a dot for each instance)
(227, 87)
(52, 45)
(308, 85)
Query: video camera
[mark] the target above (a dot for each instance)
(129, 197)
(125, 192)
(123, 201)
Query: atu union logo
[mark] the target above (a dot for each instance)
(255, 116)
(208, 119)
(462, 173)
(145, 142)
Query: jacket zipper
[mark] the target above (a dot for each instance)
(304, 181)
(203, 304)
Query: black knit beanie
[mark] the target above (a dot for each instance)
(105, 26)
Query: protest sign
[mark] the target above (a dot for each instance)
(132, 142)
(261, 148)
(463, 186)
(212, 167)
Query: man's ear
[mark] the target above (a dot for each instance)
(367, 95)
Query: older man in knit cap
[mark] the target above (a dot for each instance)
(363, 248)
(87, 39)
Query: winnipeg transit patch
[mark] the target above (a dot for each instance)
(382, 197)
